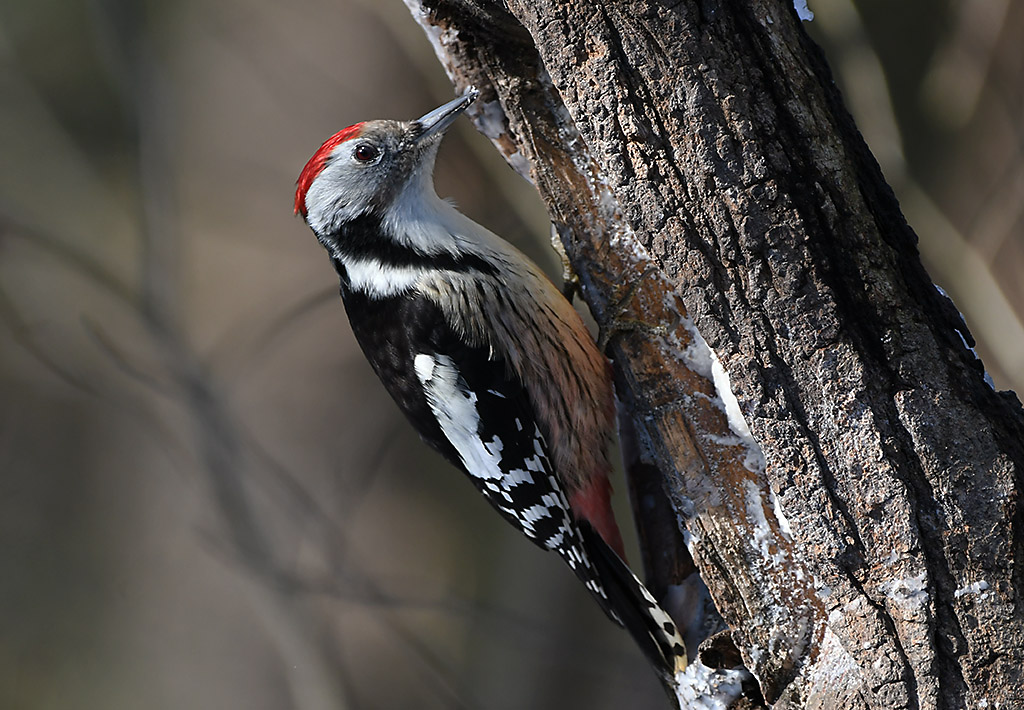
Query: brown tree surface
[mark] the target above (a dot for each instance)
(872, 558)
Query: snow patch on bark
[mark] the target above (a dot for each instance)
(764, 537)
(911, 592)
(963, 338)
(787, 531)
(489, 117)
(702, 688)
(834, 665)
(802, 11)
(977, 588)
(438, 37)
(703, 360)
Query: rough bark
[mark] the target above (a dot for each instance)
(702, 151)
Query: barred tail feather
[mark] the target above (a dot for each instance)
(629, 604)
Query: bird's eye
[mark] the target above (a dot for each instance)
(366, 153)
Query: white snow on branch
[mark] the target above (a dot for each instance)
(784, 527)
(963, 338)
(703, 688)
(833, 666)
(439, 38)
(910, 592)
(489, 117)
(764, 537)
(802, 10)
(976, 588)
(702, 360)
(691, 536)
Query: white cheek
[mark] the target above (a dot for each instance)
(338, 194)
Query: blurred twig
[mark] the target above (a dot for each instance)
(22, 334)
(311, 654)
(960, 68)
(77, 260)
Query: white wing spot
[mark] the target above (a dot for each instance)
(534, 464)
(424, 364)
(555, 540)
(494, 447)
(535, 513)
(455, 409)
(518, 476)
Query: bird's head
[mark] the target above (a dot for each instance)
(364, 168)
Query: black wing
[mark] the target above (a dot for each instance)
(505, 455)
(466, 404)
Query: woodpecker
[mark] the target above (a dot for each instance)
(489, 362)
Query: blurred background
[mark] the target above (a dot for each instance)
(206, 498)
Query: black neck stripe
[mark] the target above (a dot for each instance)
(363, 238)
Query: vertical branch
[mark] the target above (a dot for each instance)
(805, 431)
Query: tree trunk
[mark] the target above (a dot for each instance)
(700, 152)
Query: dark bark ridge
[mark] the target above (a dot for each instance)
(710, 140)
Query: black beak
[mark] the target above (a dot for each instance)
(437, 121)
